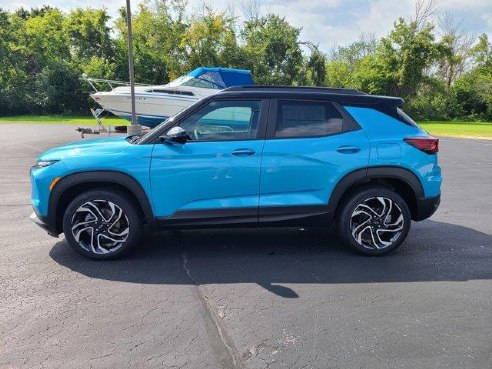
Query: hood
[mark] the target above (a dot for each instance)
(96, 147)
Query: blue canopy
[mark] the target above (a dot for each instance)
(224, 77)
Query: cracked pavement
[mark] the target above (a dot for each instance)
(248, 298)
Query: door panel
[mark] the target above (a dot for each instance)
(204, 175)
(304, 171)
(300, 171)
(218, 168)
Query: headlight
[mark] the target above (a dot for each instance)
(44, 163)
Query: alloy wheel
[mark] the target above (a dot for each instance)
(100, 226)
(376, 223)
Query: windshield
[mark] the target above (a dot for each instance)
(194, 82)
(179, 81)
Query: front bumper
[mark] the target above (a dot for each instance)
(43, 223)
(426, 207)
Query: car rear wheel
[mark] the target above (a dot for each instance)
(102, 224)
(374, 221)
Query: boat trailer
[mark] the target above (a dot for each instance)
(100, 113)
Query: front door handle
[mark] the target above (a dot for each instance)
(243, 152)
(348, 149)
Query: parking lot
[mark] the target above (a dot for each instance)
(247, 298)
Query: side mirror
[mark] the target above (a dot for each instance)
(175, 135)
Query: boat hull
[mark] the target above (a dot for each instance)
(151, 108)
(145, 120)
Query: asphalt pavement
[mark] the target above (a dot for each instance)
(248, 298)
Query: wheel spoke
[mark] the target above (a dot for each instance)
(93, 209)
(382, 200)
(374, 243)
(357, 232)
(389, 209)
(121, 234)
(83, 225)
(115, 217)
(92, 239)
(394, 227)
(102, 249)
(116, 239)
(384, 243)
(115, 213)
(368, 210)
(79, 233)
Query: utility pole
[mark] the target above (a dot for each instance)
(134, 128)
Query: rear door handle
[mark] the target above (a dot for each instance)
(348, 149)
(243, 152)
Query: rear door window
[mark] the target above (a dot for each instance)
(307, 119)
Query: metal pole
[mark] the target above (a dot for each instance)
(134, 128)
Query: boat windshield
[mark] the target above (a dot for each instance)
(195, 82)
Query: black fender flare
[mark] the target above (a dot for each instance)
(102, 177)
(382, 172)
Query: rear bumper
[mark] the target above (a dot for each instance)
(426, 207)
(43, 223)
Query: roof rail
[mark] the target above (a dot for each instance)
(332, 90)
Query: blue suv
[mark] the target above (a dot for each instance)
(247, 156)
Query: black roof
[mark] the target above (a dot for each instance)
(345, 91)
(340, 95)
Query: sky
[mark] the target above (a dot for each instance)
(324, 22)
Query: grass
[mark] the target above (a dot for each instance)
(438, 128)
(61, 119)
(458, 129)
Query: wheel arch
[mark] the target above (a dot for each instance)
(401, 180)
(74, 184)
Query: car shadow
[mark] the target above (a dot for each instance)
(273, 257)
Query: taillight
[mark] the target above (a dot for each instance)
(427, 144)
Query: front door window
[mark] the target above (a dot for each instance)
(224, 121)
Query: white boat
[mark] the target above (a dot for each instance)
(156, 103)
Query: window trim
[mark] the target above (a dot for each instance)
(262, 122)
(348, 122)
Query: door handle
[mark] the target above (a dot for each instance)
(348, 149)
(243, 152)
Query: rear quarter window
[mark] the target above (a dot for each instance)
(405, 118)
(380, 124)
(388, 110)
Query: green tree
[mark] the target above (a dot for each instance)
(402, 58)
(473, 89)
(88, 34)
(338, 74)
(210, 40)
(316, 67)
(58, 90)
(272, 50)
(157, 32)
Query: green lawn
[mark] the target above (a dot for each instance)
(458, 129)
(448, 128)
(61, 119)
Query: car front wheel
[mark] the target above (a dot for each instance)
(374, 221)
(102, 224)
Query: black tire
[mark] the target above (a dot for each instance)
(113, 234)
(121, 129)
(373, 232)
